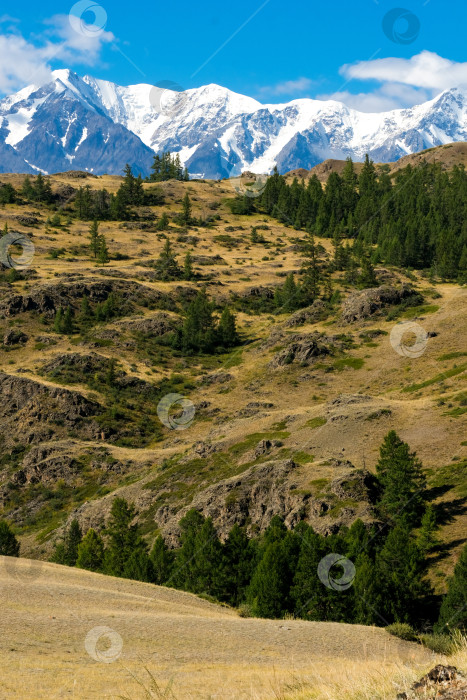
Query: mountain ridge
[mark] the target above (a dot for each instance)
(96, 125)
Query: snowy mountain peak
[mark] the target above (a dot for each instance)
(94, 124)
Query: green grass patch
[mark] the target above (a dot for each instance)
(454, 371)
(316, 422)
(419, 311)
(353, 362)
(302, 457)
(452, 355)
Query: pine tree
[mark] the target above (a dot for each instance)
(90, 552)
(188, 267)
(94, 238)
(58, 321)
(269, 588)
(453, 613)
(102, 250)
(66, 551)
(227, 329)
(166, 265)
(186, 210)
(9, 545)
(402, 482)
(163, 223)
(67, 326)
(124, 541)
(239, 552)
(427, 540)
(162, 559)
(182, 576)
(198, 331)
(400, 572)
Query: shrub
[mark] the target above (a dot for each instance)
(402, 630)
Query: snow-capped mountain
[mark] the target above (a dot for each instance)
(90, 124)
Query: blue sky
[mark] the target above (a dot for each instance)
(370, 54)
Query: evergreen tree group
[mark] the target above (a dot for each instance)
(416, 219)
(168, 167)
(278, 572)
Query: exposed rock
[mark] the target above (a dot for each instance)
(29, 409)
(311, 314)
(263, 292)
(13, 337)
(359, 486)
(302, 349)
(48, 298)
(156, 325)
(443, 682)
(360, 305)
(216, 378)
(253, 408)
(250, 499)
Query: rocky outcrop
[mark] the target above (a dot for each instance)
(301, 349)
(364, 304)
(13, 337)
(48, 298)
(156, 325)
(31, 412)
(311, 314)
(264, 490)
(443, 682)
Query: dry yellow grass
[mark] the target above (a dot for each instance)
(198, 649)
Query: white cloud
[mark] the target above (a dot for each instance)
(425, 70)
(387, 97)
(24, 61)
(404, 81)
(289, 87)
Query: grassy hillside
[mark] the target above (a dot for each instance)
(76, 429)
(168, 644)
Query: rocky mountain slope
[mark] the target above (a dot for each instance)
(289, 422)
(96, 125)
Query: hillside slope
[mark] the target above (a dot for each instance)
(52, 646)
(287, 423)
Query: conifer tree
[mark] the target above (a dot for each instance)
(227, 329)
(90, 552)
(186, 210)
(162, 559)
(188, 267)
(166, 265)
(66, 551)
(402, 482)
(124, 541)
(9, 545)
(102, 250)
(163, 223)
(94, 238)
(453, 613)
